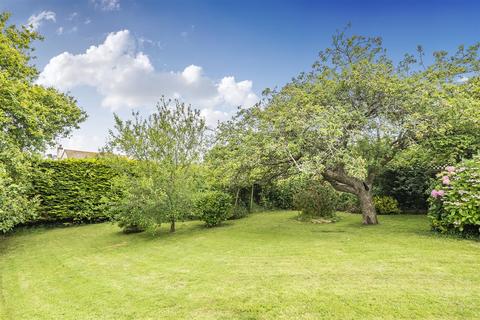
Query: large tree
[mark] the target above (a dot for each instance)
(353, 113)
(31, 117)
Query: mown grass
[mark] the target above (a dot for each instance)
(267, 266)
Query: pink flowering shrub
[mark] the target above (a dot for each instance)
(454, 203)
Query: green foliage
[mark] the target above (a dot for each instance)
(31, 117)
(279, 194)
(349, 117)
(386, 205)
(348, 203)
(16, 206)
(168, 145)
(455, 199)
(142, 199)
(213, 207)
(318, 199)
(74, 189)
(239, 211)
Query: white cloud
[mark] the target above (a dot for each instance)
(212, 117)
(142, 42)
(80, 141)
(107, 5)
(72, 16)
(237, 93)
(61, 30)
(36, 20)
(87, 21)
(125, 77)
(192, 73)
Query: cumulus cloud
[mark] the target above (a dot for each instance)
(125, 77)
(107, 5)
(36, 20)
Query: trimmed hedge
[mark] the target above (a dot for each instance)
(74, 189)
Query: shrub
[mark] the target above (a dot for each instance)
(213, 207)
(408, 184)
(279, 194)
(238, 211)
(16, 204)
(74, 189)
(316, 200)
(15, 207)
(143, 198)
(455, 199)
(386, 205)
(348, 202)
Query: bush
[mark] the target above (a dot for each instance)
(348, 202)
(408, 184)
(280, 193)
(239, 211)
(386, 205)
(74, 190)
(16, 204)
(455, 199)
(15, 207)
(213, 207)
(318, 199)
(142, 199)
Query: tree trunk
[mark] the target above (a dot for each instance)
(251, 198)
(236, 198)
(369, 214)
(172, 226)
(340, 181)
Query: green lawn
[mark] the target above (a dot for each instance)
(267, 266)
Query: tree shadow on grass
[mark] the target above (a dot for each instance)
(183, 230)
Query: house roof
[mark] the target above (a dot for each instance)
(78, 154)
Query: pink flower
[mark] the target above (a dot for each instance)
(437, 193)
(446, 180)
(450, 169)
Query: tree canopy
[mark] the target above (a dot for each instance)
(352, 114)
(31, 117)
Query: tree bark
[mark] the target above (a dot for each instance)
(251, 198)
(172, 226)
(362, 189)
(236, 198)
(367, 206)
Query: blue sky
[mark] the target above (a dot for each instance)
(213, 54)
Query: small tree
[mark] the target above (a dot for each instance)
(167, 145)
